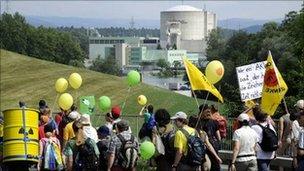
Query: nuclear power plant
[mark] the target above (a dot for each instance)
(183, 32)
(186, 27)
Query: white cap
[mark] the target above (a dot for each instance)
(85, 119)
(180, 114)
(300, 104)
(242, 117)
(74, 115)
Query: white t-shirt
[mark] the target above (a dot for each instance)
(260, 153)
(295, 130)
(110, 126)
(247, 138)
(90, 132)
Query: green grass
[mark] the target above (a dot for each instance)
(30, 79)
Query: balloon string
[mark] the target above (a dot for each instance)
(124, 103)
(55, 102)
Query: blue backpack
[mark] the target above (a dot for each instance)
(196, 149)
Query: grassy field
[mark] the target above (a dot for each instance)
(30, 79)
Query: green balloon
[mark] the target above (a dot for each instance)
(147, 150)
(104, 102)
(133, 78)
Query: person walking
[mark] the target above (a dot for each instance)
(267, 139)
(123, 149)
(166, 131)
(183, 158)
(245, 140)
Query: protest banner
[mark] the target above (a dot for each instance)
(250, 79)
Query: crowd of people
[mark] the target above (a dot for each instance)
(68, 141)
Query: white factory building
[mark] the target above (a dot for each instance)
(183, 32)
(186, 27)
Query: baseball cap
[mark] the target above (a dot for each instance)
(181, 115)
(42, 105)
(300, 104)
(115, 111)
(74, 115)
(243, 117)
(85, 119)
(103, 130)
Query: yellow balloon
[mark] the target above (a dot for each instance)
(142, 100)
(61, 85)
(75, 80)
(214, 71)
(65, 101)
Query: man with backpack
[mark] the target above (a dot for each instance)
(190, 149)
(123, 149)
(103, 133)
(81, 152)
(167, 133)
(221, 120)
(207, 124)
(267, 139)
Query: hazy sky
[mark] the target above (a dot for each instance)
(151, 9)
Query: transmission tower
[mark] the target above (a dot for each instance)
(132, 24)
(7, 6)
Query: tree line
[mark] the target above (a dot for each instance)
(286, 43)
(44, 43)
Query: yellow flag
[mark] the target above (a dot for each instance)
(198, 80)
(274, 87)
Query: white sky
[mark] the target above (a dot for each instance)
(150, 9)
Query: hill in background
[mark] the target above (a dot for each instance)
(30, 79)
(52, 21)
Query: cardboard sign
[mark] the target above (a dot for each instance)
(250, 78)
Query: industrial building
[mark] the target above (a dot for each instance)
(183, 32)
(186, 27)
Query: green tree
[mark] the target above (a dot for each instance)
(43, 43)
(107, 65)
(162, 63)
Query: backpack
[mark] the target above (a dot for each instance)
(196, 149)
(168, 142)
(51, 155)
(222, 123)
(128, 154)
(86, 158)
(270, 139)
(103, 147)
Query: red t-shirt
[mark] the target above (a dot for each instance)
(41, 132)
(58, 118)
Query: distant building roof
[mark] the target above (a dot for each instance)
(183, 8)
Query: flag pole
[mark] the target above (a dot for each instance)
(285, 105)
(195, 98)
(200, 114)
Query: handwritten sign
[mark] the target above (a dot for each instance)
(250, 78)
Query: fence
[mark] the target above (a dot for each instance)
(136, 122)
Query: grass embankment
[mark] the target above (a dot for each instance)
(30, 79)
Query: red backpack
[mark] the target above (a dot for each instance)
(222, 122)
